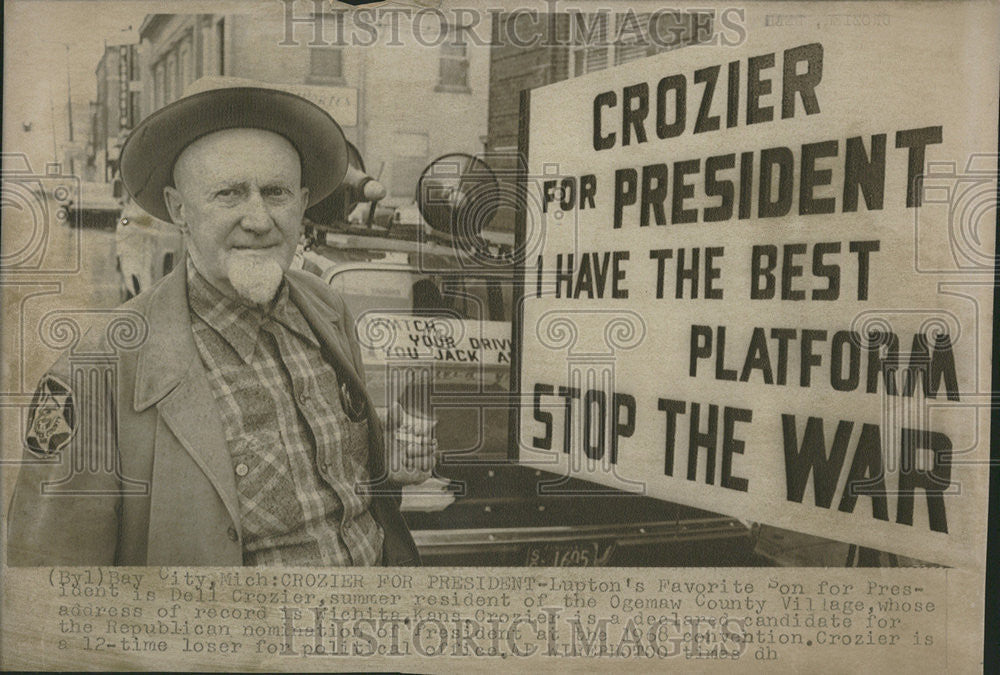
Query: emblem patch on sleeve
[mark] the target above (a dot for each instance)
(51, 419)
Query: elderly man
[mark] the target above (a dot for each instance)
(243, 432)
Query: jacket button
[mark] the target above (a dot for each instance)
(232, 534)
(242, 469)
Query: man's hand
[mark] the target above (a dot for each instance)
(411, 448)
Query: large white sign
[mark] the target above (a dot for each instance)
(759, 281)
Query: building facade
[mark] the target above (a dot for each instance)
(416, 86)
(400, 105)
(116, 108)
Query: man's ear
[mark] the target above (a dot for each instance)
(175, 206)
(304, 194)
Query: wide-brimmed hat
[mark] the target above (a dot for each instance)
(215, 103)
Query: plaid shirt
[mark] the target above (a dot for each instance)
(296, 455)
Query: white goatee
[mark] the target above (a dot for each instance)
(254, 276)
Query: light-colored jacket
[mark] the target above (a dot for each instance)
(171, 499)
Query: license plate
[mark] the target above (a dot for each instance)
(575, 554)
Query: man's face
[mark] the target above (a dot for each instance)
(238, 194)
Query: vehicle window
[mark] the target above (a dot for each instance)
(378, 290)
(470, 297)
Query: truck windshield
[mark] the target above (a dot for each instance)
(467, 296)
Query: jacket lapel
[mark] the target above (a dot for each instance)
(326, 324)
(170, 376)
(190, 412)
